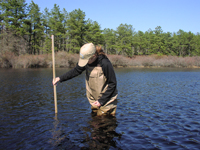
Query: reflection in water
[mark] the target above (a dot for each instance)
(102, 130)
(99, 134)
(57, 133)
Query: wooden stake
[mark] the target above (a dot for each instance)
(54, 74)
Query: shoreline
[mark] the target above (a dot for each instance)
(115, 67)
(194, 67)
(66, 60)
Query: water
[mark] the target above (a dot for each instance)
(157, 109)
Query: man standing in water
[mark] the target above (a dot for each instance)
(101, 84)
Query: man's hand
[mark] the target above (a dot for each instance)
(57, 79)
(96, 103)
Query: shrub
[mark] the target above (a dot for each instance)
(73, 59)
(196, 61)
(61, 59)
(6, 59)
(64, 59)
(118, 60)
(20, 62)
(148, 61)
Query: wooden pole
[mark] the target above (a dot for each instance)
(54, 74)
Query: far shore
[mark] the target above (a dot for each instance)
(156, 67)
(66, 60)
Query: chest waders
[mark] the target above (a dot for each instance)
(95, 87)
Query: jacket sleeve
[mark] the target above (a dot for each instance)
(72, 73)
(111, 81)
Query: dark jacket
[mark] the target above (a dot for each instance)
(108, 71)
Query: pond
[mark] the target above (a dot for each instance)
(157, 109)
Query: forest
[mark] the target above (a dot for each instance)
(26, 30)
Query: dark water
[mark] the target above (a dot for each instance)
(157, 109)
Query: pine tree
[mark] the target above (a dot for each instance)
(168, 42)
(13, 15)
(46, 48)
(93, 33)
(175, 45)
(65, 36)
(56, 24)
(158, 39)
(36, 30)
(182, 40)
(76, 30)
(196, 45)
(110, 41)
(124, 39)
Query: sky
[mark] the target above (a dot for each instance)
(143, 15)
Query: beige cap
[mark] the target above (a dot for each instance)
(86, 51)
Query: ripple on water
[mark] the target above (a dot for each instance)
(157, 109)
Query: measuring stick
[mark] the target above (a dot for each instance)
(54, 74)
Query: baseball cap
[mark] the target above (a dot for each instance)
(86, 51)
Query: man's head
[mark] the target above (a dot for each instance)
(86, 52)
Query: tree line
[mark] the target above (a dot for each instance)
(24, 29)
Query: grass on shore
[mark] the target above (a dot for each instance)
(64, 59)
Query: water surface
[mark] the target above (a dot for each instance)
(157, 109)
